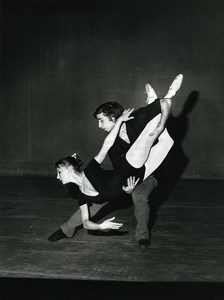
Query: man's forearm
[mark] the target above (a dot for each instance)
(108, 142)
(111, 137)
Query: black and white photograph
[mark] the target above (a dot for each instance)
(111, 149)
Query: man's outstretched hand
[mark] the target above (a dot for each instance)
(131, 184)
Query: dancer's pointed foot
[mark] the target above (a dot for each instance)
(175, 86)
(57, 235)
(151, 94)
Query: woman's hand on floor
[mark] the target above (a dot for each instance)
(108, 224)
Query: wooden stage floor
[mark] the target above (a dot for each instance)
(186, 257)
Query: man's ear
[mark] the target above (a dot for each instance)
(113, 119)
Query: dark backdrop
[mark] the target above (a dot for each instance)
(61, 59)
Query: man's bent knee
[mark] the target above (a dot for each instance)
(143, 190)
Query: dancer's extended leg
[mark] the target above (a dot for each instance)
(139, 151)
(158, 153)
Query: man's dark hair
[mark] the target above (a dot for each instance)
(109, 109)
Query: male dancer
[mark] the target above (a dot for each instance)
(107, 114)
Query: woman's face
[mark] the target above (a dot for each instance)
(63, 174)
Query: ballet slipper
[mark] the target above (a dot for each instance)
(175, 86)
(151, 94)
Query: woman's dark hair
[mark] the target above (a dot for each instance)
(73, 161)
(109, 109)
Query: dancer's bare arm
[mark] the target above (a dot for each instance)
(110, 138)
(107, 224)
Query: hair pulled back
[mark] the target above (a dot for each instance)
(73, 161)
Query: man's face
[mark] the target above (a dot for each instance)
(104, 122)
